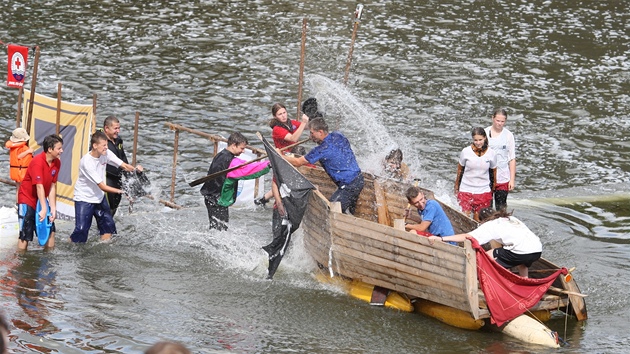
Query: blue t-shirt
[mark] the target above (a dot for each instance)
(337, 158)
(440, 224)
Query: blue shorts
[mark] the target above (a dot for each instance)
(26, 219)
(83, 212)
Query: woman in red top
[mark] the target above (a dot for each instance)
(285, 132)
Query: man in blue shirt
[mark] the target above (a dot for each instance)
(336, 157)
(434, 219)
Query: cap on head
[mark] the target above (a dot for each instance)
(19, 135)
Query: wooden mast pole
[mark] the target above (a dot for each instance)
(33, 85)
(301, 75)
(57, 123)
(357, 18)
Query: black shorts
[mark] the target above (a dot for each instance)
(509, 259)
(26, 220)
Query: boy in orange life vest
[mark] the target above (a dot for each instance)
(20, 156)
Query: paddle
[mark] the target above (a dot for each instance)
(43, 227)
(220, 173)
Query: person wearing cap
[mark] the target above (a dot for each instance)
(39, 184)
(20, 156)
(113, 174)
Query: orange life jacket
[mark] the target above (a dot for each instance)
(18, 166)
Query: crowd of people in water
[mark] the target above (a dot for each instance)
(486, 173)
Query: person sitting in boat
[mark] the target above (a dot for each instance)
(434, 219)
(521, 247)
(284, 132)
(337, 158)
(394, 167)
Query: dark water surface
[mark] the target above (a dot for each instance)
(423, 74)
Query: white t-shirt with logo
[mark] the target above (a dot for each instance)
(505, 148)
(91, 173)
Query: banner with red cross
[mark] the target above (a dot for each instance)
(18, 56)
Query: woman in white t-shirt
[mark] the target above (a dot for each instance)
(501, 141)
(521, 247)
(476, 174)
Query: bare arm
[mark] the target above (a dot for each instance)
(512, 165)
(293, 137)
(52, 202)
(41, 196)
(107, 189)
(275, 191)
(422, 226)
(454, 238)
(295, 161)
(458, 178)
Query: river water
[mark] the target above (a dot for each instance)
(423, 74)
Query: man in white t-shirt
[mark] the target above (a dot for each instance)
(501, 140)
(89, 191)
(521, 247)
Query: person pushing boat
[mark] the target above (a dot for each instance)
(336, 156)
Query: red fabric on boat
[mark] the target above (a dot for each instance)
(508, 295)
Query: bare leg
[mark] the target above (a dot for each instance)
(22, 245)
(50, 244)
(106, 237)
(489, 253)
(523, 271)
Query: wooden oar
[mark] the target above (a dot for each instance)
(220, 173)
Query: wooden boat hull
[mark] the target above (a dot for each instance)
(373, 247)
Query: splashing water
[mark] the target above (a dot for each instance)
(362, 125)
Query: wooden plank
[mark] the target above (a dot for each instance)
(578, 303)
(402, 257)
(472, 285)
(425, 292)
(381, 205)
(443, 255)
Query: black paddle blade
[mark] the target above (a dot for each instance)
(309, 107)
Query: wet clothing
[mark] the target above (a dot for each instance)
(219, 193)
(523, 245)
(83, 212)
(26, 220)
(89, 198)
(505, 148)
(113, 174)
(38, 172)
(91, 174)
(18, 166)
(440, 224)
(280, 131)
(336, 156)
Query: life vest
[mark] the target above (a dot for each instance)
(18, 166)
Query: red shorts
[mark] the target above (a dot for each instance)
(502, 186)
(474, 202)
